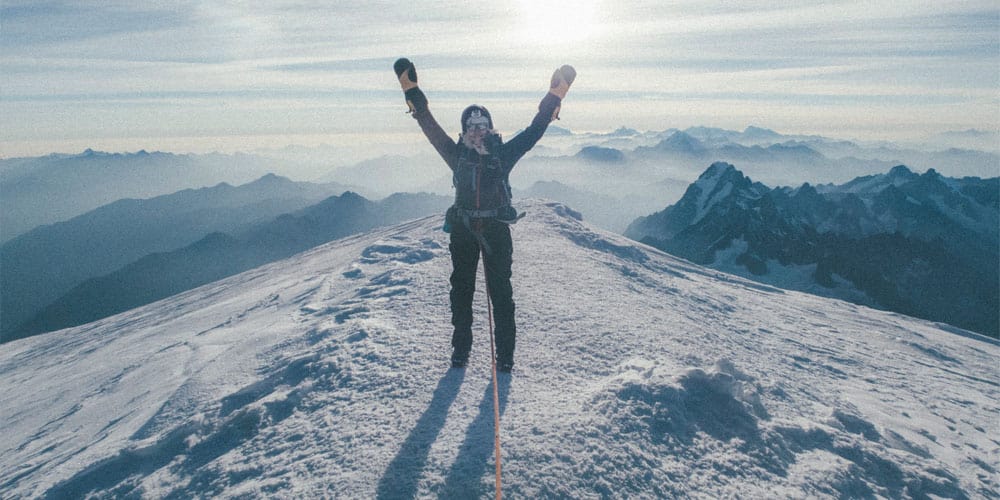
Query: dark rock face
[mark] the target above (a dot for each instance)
(920, 244)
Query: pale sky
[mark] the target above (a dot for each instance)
(190, 76)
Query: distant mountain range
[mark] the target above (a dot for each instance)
(767, 154)
(651, 169)
(647, 167)
(67, 219)
(46, 262)
(218, 255)
(923, 245)
(58, 187)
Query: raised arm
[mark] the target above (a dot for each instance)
(417, 102)
(548, 110)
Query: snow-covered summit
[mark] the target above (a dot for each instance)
(637, 375)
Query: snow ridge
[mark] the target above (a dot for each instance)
(637, 375)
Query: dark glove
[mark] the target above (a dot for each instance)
(407, 75)
(562, 78)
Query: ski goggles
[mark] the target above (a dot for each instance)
(477, 123)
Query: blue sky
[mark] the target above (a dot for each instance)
(237, 75)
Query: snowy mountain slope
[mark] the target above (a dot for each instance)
(637, 375)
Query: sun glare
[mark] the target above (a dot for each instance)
(555, 22)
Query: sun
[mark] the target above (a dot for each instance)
(550, 22)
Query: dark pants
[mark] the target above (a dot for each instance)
(465, 261)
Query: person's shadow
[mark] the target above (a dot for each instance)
(401, 477)
(475, 454)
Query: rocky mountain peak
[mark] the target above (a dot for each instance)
(601, 154)
(681, 142)
(902, 172)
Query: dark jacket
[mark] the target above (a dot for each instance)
(481, 180)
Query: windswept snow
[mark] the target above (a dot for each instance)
(637, 375)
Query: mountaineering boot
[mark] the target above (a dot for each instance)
(459, 359)
(505, 366)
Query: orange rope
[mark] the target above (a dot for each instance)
(496, 393)
(493, 355)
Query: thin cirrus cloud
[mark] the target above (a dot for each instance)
(935, 62)
(30, 26)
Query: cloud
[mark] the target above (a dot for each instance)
(915, 56)
(28, 24)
